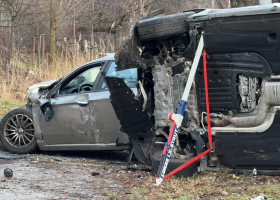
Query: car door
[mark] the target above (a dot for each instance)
(72, 119)
(108, 124)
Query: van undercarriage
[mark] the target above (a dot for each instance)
(243, 67)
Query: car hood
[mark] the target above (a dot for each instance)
(42, 84)
(33, 89)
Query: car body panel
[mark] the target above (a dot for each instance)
(235, 12)
(33, 91)
(71, 122)
(81, 121)
(79, 147)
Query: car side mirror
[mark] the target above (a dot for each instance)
(47, 110)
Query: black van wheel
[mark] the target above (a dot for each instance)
(174, 164)
(164, 26)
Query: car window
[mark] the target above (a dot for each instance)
(129, 76)
(82, 82)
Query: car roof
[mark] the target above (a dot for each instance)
(108, 57)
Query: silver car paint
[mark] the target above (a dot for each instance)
(92, 125)
(33, 90)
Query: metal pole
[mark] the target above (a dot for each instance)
(90, 51)
(43, 49)
(34, 46)
(177, 118)
(39, 49)
(193, 69)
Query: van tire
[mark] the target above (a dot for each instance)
(164, 26)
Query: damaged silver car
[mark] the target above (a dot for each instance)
(72, 113)
(243, 67)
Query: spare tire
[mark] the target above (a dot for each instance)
(174, 164)
(165, 26)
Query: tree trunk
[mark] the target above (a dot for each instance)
(9, 47)
(219, 3)
(199, 3)
(242, 3)
(52, 32)
(10, 42)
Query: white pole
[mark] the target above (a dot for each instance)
(193, 69)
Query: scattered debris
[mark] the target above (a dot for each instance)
(259, 198)
(144, 168)
(8, 172)
(8, 155)
(225, 193)
(58, 159)
(255, 173)
(95, 173)
(211, 178)
(133, 168)
(197, 197)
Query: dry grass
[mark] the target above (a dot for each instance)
(6, 106)
(22, 74)
(208, 185)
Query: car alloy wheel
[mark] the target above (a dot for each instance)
(19, 131)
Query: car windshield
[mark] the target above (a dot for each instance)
(87, 77)
(129, 75)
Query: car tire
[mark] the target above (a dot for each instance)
(139, 154)
(17, 131)
(165, 26)
(2, 147)
(174, 164)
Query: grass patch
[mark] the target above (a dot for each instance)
(6, 106)
(209, 185)
(22, 73)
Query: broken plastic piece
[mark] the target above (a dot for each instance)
(259, 198)
(177, 118)
(8, 155)
(255, 172)
(163, 143)
(95, 173)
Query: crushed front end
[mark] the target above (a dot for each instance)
(243, 66)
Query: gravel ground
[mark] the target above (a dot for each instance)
(107, 175)
(71, 175)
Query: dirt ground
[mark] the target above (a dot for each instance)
(70, 176)
(107, 175)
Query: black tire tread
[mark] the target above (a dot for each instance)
(174, 164)
(166, 26)
(138, 152)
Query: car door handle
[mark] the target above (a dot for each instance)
(82, 103)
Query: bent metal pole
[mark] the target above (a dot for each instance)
(177, 118)
(209, 125)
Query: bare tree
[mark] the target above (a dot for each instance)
(242, 3)
(58, 12)
(16, 10)
(145, 6)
